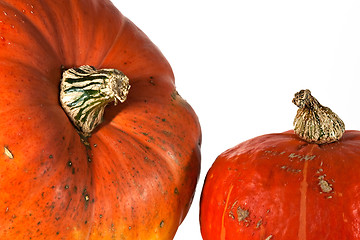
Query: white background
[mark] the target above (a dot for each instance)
(239, 63)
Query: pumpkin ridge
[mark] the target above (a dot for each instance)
(151, 182)
(79, 30)
(109, 50)
(149, 144)
(74, 14)
(32, 24)
(149, 147)
(32, 69)
(303, 202)
(73, 38)
(55, 34)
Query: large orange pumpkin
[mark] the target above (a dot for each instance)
(282, 186)
(131, 177)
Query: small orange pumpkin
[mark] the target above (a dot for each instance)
(74, 173)
(301, 184)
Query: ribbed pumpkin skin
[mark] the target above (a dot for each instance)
(137, 177)
(277, 186)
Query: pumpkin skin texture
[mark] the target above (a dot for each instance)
(137, 176)
(278, 186)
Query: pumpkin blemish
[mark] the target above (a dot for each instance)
(8, 153)
(85, 195)
(259, 223)
(324, 185)
(242, 214)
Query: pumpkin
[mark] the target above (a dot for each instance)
(301, 184)
(70, 169)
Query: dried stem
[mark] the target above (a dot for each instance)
(85, 92)
(315, 123)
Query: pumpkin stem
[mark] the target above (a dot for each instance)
(85, 92)
(315, 123)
